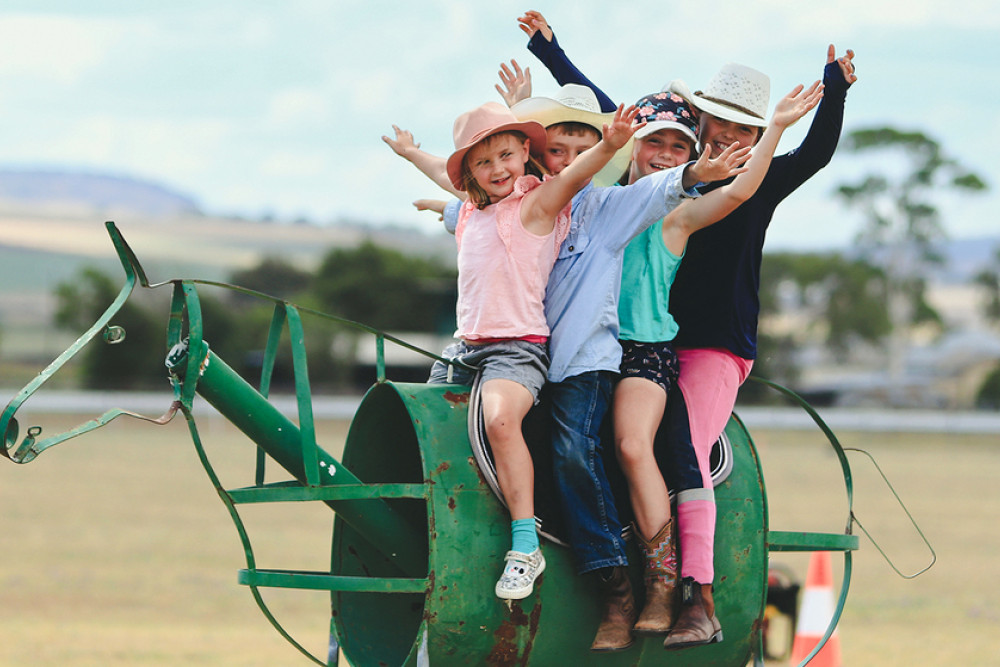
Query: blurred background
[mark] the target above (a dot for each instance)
(241, 142)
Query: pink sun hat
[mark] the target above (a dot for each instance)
(483, 121)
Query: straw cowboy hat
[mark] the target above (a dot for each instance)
(490, 118)
(574, 103)
(736, 93)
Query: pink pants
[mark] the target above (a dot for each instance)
(709, 380)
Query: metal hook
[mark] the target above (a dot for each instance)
(888, 560)
(114, 334)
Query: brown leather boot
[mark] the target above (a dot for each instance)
(694, 627)
(660, 609)
(615, 631)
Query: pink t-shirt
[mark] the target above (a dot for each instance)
(503, 269)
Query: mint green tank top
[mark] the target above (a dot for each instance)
(648, 272)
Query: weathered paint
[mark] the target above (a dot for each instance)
(404, 433)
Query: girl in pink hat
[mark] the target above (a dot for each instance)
(508, 235)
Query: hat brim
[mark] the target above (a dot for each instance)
(612, 172)
(713, 108)
(652, 126)
(530, 128)
(548, 111)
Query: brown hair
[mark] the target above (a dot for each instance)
(477, 195)
(576, 129)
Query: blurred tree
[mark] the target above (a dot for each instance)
(988, 397)
(386, 289)
(137, 361)
(272, 276)
(989, 280)
(842, 299)
(902, 223)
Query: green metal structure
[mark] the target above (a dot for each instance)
(418, 534)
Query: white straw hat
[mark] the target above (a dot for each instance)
(736, 93)
(572, 103)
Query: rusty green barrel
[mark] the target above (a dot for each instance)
(417, 434)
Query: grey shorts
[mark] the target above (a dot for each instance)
(517, 360)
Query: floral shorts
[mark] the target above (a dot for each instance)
(656, 362)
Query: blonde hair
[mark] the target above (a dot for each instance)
(477, 195)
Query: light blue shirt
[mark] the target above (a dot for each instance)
(581, 301)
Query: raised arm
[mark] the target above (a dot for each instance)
(717, 204)
(432, 166)
(706, 170)
(516, 83)
(542, 205)
(544, 45)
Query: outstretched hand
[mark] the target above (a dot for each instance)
(846, 63)
(622, 126)
(796, 104)
(403, 144)
(517, 83)
(729, 163)
(436, 205)
(532, 22)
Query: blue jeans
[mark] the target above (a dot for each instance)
(579, 405)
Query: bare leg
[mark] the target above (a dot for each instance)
(505, 403)
(638, 408)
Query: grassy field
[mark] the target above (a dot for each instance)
(116, 550)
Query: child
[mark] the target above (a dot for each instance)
(649, 364)
(715, 303)
(508, 235)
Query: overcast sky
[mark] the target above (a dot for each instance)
(257, 107)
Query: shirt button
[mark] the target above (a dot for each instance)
(571, 248)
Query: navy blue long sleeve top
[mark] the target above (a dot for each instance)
(562, 70)
(714, 297)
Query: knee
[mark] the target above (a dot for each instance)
(632, 452)
(501, 426)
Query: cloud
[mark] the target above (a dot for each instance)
(61, 49)
(298, 105)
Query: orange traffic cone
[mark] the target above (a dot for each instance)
(815, 613)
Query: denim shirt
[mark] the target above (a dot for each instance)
(581, 301)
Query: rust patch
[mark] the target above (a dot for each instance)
(456, 399)
(451, 503)
(505, 649)
(472, 462)
(441, 468)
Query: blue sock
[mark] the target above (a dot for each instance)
(524, 538)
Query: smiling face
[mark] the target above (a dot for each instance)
(496, 162)
(717, 133)
(660, 150)
(562, 147)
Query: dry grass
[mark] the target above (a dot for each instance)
(116, 550)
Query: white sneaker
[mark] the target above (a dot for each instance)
(519, 574)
